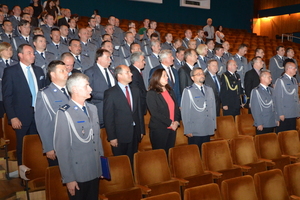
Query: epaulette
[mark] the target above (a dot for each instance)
(49, 52)
(64, 107)
(84, 55)
(44, 88)
(189, 87)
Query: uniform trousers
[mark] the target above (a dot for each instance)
(199, 140)
(287, 124)
(87, 190)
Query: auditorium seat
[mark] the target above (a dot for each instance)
(55, 189)
(34, 164)
(226, 128)
(270, 185)
(290, 144)
(243, 153)
(181, 139)
(185, 163)
(105, 143)
(204, 192)
(121, 185)
(244, 124)
(292, 177)
(267, 147)
(151, 170)
(145, 143)
(216, 158)
(167, 196)
(239, 188)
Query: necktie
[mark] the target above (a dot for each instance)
(171, 77)
(268, 90)
(26, 40)
(217, 85)
(84, 110)
(42, 54)
(56, 46)
(220, 59)
(9, 36)
(73, 30)
(6, 63)
(241, 59)
(31, 85)
(107, 78)
(201, 88)
(292, 80)
(66, 40)
(204, 59)
(65, 93)
(128, 96)
(77, 58)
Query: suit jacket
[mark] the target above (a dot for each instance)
(227, 56)
(62, 21)
(184, 77)
(2, 67)
(14, 21)
(199, 41)
(262, 114)
(115, 62)
(119, 119)
(47, 31)
(62, 48)
(230, 92)
(276, 67)
(5, 38)
(242, 67)
(17, 97)
(175, 86)
(84, 64)
(286, 97)
(124, 52)
(166, 46)
(89, 50)
(45, 113)
(73, 35)
(251, 81)
(195, 121)
(78, 161)
(202, 63)
(160, 115)
(151, 62)
(185, 43)
(17, 41)
(210, 54)
(138, 81)
(99, 84)
(177, 64)
(221, 64)
(211, 83)
(43, 62)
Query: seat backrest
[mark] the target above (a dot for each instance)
(105, 144)
(167, 196)
(289, 142)
(33, 156)
(226, 128)
(151, 167)
(239, 188)
(216, 155)
(55, 190)
(185, 161)
(121, 175)
(145, 143)
(270, 185)
(292, 177)
(181, 139)
(204, 192)
(267, 146)
(244, 124)
(9, 133)
(243, 150)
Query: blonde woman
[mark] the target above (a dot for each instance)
(202, 59)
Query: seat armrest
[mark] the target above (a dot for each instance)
(268, 161)
(24, 170)
(4, 142)
(243, 167)
(183, 182)
(216, 175)
(292, 158)
(101, 197)
(294, 197)
(144, 189)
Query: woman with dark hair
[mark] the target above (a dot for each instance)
(37, 8)
(220, 37)
(165, 114)
(51, 8)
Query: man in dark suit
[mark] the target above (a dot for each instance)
(231, 90)
(65, 19)
(166, 59)
(20, 84)
(123, 117)
(138, 62)
(190, 57)
(213, 80)
(101, 79)
(252, 78)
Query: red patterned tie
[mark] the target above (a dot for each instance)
(128, 96)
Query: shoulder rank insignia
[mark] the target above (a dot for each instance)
(44, 88)
(189, 87)
(64, 107)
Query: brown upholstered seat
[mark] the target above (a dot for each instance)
(267, 147)
(55, 190)
(204, 192)
(216, 158)
(121, 185)
(181, 139)
(239, 188)
(226, 128)
(243, 153)
(270, 185)
(185, 163)
(292, 177)
(151, 170)
(244, 124)
(290, 144)
(167, 196)
(105, 144)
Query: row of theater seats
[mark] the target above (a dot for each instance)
(155, 173)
